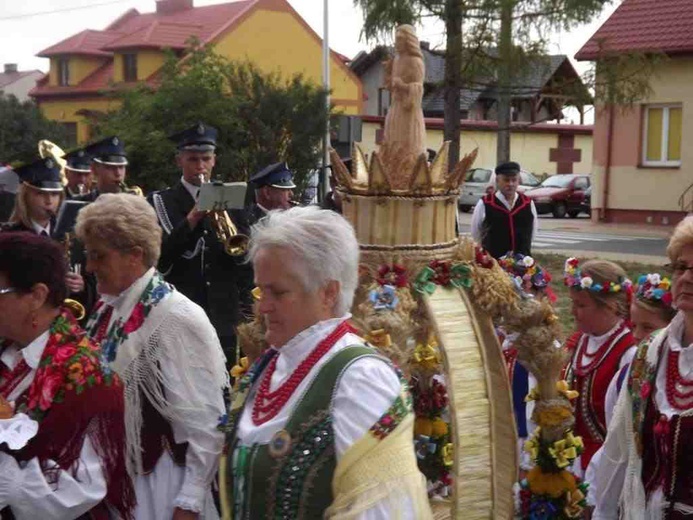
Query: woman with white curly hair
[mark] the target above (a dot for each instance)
(321, 426)
(166, 352)
(646, 469)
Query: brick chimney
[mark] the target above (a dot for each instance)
(10, 68)
(173, 6)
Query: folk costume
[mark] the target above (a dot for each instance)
(595, 361)
(75, 465)
(168, 356)
(322, 428)
(502, 225)
(647, 464)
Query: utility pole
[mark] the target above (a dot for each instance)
(324, 184)
(505, 69)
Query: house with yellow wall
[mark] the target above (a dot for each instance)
(86, 68)
(643, 171)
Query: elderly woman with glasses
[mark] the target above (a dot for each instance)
(167, 354)
(646, 469)
(51, 374)
(322, 425)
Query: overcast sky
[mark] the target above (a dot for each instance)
(29, 26)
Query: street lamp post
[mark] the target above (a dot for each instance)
(324, 180)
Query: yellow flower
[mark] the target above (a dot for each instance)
(665, 284)
(573, 509)
(379, 338)
(423, 426)
(240, 369)
(572, 440)
(448, 454)
(439, 427)
(552, 484)
(565, 391)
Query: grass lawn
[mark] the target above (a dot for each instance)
(554, 264)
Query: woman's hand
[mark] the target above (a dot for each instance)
(184, 514)
(74, 282)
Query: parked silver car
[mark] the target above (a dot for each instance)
(480, 180)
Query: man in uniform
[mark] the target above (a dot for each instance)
(192, 258)
(273, 189)
(77, 173)
(505, 220)
(108, 163)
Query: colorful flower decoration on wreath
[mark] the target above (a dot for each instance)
(654, 288)
(573, 278)
(482, 258)
(384, 298)
(379, 338)
(445, 273)
(526, 273)
(395, 275)
(426, 357)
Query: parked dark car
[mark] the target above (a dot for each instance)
(586, 206)
(561, 195)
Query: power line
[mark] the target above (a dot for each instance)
(64, 10)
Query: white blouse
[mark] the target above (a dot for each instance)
(366, 390)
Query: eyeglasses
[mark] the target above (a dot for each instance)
(679, 268)
(6, 290)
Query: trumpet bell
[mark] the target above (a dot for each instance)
(76, 308)
(47, 149)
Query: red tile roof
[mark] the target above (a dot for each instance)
(158, 35)
(87, 42)
(644, 25)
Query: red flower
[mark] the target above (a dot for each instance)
(135, 320)
(645, 390)
(49, 387)
(606, 286)
(392, 275)
(482, 258)
(62, 354)
(442, 271)
(667, 299)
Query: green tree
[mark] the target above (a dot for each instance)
(22, 126)
(261, 118)
(493, 42)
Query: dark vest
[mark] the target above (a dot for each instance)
(298, 482)
(506, 230)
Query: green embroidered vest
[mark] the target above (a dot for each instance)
(291, 477)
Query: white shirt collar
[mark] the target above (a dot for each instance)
(33, 351)
(676, 330)
(594, 342)
(297, 348)
(191, 188)
(130, 296)
(38, 228)
(505, 202)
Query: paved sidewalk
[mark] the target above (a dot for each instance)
(608, 255)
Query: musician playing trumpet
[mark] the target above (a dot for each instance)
(77, 173)
(193, 258)
(39, 196)
(108, 166)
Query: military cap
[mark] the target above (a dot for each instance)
(108, 151)
(42, 174)
(198, 138)
(276, 175)
(78, 161)
(508, 168)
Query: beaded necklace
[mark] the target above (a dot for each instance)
(680, 399)
(268, 404)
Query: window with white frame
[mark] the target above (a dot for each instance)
(63, 72)
(661, 144)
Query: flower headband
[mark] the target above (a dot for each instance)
(525, 268)
(652, 287)
(572, 277)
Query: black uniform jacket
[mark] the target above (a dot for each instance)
(194, 261)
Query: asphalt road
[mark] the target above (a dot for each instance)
(585, 236)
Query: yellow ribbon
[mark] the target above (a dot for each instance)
(426, 356)
(379, 338)
(565, 451)
(573, 509)
(565, 391)
(448, 453)
(532, 445)
(240, 369)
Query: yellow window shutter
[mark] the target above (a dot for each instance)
(674, 148)
(654, 134)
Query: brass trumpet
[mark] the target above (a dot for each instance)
(233, 242)
(132, 190)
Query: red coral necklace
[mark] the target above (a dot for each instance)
(679, 399)
(268, 404)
